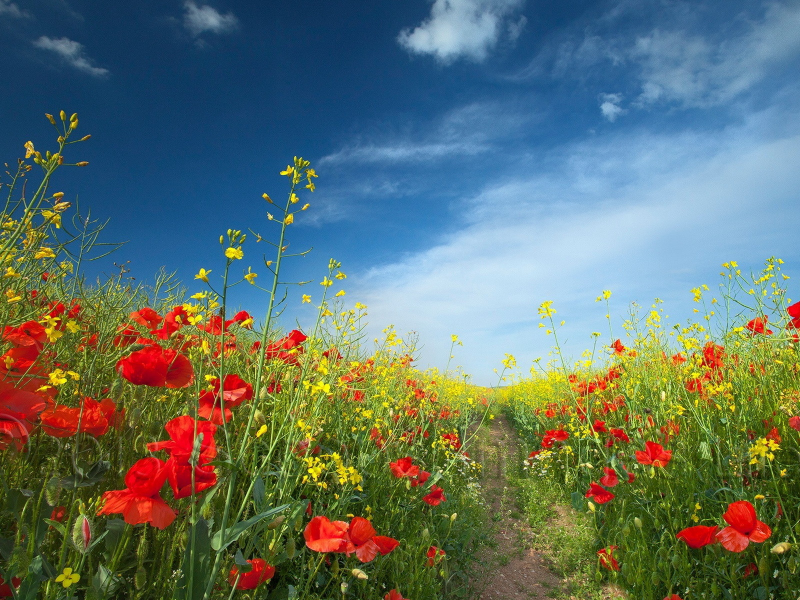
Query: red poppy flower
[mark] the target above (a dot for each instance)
(140, 502)
(794, 423)
(362, 540)
(394, 595)
(181, 431)
(420, 478)
(234, 391)
(147, 317)
(179, 476)
(759, 326)
(599, 426)
(600, 494)
(607, 559)
(402, 467)
(31, 333)
(452, 439)
(92, 417)
(610, 479)
(173, 321)
(620, 434)
(323, 535)
(126, 335)
(5, 589)
(673, 597)
(713, 355)
(240, 317)
(617, 347)
(751, 569)
(279, 349)
(435, 555)
(435, 497)
(155, 366)
(654, 454)
(259, 573)
(699, 535)
(678, 359)
(58, 513)
(744, 527)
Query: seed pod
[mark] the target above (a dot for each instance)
(290, 547)
(277, 522)
(140, 579)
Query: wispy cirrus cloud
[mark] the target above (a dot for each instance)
(199, 19)
(71, 53)
(464, 29)
(10, 9)
(644, 214)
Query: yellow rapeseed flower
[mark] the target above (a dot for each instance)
(202, 275)
(67, 577)
(234, 253)
(306, 299)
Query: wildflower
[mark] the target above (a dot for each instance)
(5, 588)
(435, 497)
(323, 535)
(234, 253)
(67, 577)
(620, 435)
(234, 391)
(250, 277)
(155, 366)
(699, 535)
(394, 595)
(607, 559)
(402, 467)
(181, 445)
(259, 572)
(743, 527)
(306, 299)
(794, 423)
(364, 541)
(617, 347)
(654, 454)
(147, 317)
(202, 275)
(610, 479)
(91, 417)
(600, 494)
(434, 555)
(759, 326)
(141, 502)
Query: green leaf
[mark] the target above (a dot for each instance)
(103, 585)
(86, 476)
(233, 533)
(259, 492)
(197, 562)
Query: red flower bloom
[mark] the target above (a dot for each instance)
(362, 540)
(323, 535)
(280, 348)
(420, 478)
(617, 347)
(19, 409)
(654, 454)
(258, 574)
(435, 555)
(394, 595)
(435, 497)
(600, 494)
(744, 527)
(673, 597)
(93, 418)
(713, 355)
(58, 513)
(402, 467)
(610, 479)
(181, 431)
(759, 325)
(147, 317)
(699, 535)
(140, 502)
(234, 391)
(179, 476)
(599, 426)
(607, 559)
(794, 423)
(751, 569)
(620, 435)
(155, 366)
(5, 589)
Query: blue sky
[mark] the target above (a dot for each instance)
(476, 157)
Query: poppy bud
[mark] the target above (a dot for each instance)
(290, 548)
(638, 522)
(277, 522)
(453, 517)
(140, 578)
(780, 547)
(335, 568)
(426, 534)
(359, 574)
(343, 587)
(82, 534)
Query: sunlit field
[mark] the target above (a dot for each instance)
(155, 444)
(684, 442)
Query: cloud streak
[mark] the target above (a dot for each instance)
(72, 53)
(612, 214)
(201, 19)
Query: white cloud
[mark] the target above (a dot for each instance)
(695, 70)
(643, 215)
(9, 9)
(72, 53)
(463, 28)
(609, 106)
(199, 19)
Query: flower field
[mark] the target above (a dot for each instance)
(156, 444)
(684, 444)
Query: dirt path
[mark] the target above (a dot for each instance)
(514, 570)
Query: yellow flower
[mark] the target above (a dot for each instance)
(326, 282)
(29, 149)
(67, 578)
(202, 275)
(340, 293)
(288, 171)
(12, 296)
(306, 299)
(234, 253)
(289, 219)
(44, 252)
(250, 276)
(261, 431)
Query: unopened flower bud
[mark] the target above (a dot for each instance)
(638, 522)
(63, 115)
(359, 574)
(50, 118)
(781, 547)
(83, 163)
